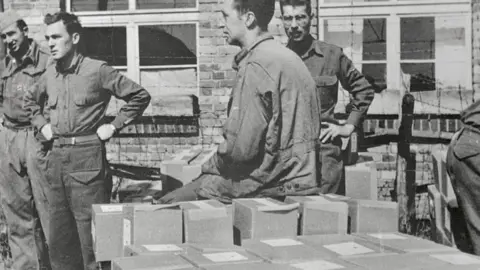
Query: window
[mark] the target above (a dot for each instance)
(416, 44)
(152, 42)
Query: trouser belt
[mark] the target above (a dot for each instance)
(73, 140)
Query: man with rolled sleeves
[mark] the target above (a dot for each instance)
(22, 183)
(77, 91)
(463, 167)
(328, 65)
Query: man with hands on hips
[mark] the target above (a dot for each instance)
(76, 91)
(328, 66)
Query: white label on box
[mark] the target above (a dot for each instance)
(127, 234)
(456, 258)
(225, 257)
(317, 265)
(387, 236)
(203, 205)
(284, 242)
(112, 208)
(265, 202)
(348, 248)
(162, 248)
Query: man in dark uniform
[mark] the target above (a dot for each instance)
(21, 176)
(271, 134)
(328, 65)
(463, 167)
(77, 91)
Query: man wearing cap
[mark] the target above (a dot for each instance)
(77, 91)
(21, 179)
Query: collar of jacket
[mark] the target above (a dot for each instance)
(244, 52)
(30, 57)
(74, 65)
(314, 47)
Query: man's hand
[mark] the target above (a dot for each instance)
(332, 131)
(47, 132)
(106, 131)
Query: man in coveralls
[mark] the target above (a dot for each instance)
(463, 167)
(77, 91)
(328, 65)
(273, 125)
(22, 183)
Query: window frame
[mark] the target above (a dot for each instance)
(131, 10)
(132, 23)
(393, 10)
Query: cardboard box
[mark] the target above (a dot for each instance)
(107, 231)
(226, 257)
(404, 242)
(366, 216)
(207, 221)
(251, 266)
(326, 264)
(343, 246)
(454, 259)
(264, 218)
(159, 249)
(184, 167)
(361, 181)
(282, 250)
(152, 262)
(152, 224)
(207, 247)
(320, 216)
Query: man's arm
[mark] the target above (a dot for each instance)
(357, 85)
(136, 96)
(246, 127)
(32, 102)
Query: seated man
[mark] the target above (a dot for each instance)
(271, 134)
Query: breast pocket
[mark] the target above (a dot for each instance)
(327, 86)
(87, 92)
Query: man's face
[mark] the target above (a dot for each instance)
(233, 24)
(296, 22)
(60, 42)
(14, 37)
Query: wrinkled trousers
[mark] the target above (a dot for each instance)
(78, 177)
(23, 199)
(463, 167)
(332, 169)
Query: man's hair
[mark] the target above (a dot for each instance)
(70, 21)
(263, 10)
(21, 24)
(297, 3)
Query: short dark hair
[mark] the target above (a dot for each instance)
(263, 10)
(70, 21)
(21, 24)
(306, 3)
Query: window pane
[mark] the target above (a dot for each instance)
(106, 43)
(168, 45)
(417, 38)
(361, 39)
(420, 76)
(168, 82)
(376, 74)
(98, 5)
(155, 4)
